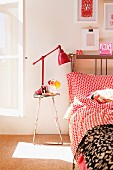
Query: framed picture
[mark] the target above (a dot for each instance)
(108, 16)
(86, 11)
(105, 48)
(90, 39)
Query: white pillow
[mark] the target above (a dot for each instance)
(103, 96)
(69, 111)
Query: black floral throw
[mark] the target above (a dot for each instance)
(97, 148)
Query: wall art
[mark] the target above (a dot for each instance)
(90, 39)
(108, 16)
(86, 10)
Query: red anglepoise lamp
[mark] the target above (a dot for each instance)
(62, 59)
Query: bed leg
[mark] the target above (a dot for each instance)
(73, 163)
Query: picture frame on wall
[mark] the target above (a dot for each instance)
(86, 11)
(90, 39)
(105, 48)
(108, 16)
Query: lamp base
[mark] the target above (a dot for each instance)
(43, 89)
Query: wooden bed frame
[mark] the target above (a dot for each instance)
(74, 57)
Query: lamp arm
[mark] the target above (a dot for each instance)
(42, 58)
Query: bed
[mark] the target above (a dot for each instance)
(90, 116)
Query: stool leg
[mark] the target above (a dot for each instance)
(36, 120)
(57, 122)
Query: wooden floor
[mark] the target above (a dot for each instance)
(9, 143)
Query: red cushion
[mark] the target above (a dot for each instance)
(81, 163)
(81, 85)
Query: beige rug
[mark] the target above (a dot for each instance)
(19, 153)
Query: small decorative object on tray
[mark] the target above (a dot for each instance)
(43, 89)
(50, 90)
(79, 52)
(53, 86)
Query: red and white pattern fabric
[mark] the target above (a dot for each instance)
(90, 113)
(81, 85)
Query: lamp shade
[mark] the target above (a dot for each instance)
(63, 57)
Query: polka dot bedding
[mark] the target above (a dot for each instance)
(81, 85)
(90, 113)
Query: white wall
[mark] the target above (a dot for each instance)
(47, 24)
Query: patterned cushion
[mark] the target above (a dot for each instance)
(103, 96)
(81, 85)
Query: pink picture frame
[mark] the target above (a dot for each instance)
(105, 48)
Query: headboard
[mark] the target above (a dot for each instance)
(74, 57)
